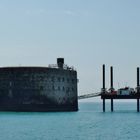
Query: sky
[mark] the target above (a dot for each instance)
(87, 33)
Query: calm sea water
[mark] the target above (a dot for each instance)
(90, 123)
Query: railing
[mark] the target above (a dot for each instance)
(65, 67)
(89, 95)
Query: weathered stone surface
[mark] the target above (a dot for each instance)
(38, 89)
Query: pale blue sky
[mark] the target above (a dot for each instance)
(87, 33)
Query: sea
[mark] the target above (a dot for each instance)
(89, 123)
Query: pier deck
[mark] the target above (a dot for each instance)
(107, 96)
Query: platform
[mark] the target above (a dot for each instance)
(107, 96)
(110, 93)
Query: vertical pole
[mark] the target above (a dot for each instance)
(138, 105)
(111, 76)
(138, 80)
(104, 78)
(111, 86)
(103, 90)
(137, 76)
(103, 105)
(112, 105)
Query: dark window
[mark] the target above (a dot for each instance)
(72, 80)
(63, 88)
(58, 88)
(72, 89)
(53, 88)
(41, 87)
(58, 79)
(63, 79)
